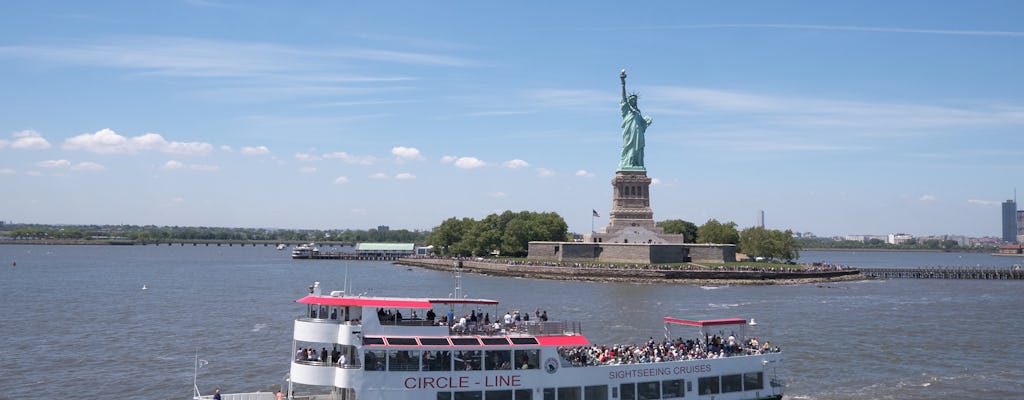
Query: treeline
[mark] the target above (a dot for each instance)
(150, 234)
(754, 242)
(507, 234)
(912, 244)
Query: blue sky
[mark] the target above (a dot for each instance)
(867, 117)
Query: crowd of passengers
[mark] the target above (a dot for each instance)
(309, 354)
(816, 267)
(665, 350)
(475, 321)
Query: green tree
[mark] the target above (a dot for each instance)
(677, 226)
(717, 232)
(769, 243)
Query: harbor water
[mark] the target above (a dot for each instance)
(76, 322)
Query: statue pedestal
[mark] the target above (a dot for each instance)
(631, 219)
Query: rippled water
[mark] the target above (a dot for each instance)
(76, 324)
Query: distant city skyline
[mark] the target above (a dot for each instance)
(836, 118)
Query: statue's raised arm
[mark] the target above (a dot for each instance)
(622, 76)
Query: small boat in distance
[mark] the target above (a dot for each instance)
(282, 246)
(144, 286)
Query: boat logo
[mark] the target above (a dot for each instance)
(551, 365)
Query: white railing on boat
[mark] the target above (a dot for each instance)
(241, 396)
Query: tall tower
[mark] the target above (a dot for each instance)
(1010, 221)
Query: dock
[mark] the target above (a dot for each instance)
(347, 255)
(945, 273)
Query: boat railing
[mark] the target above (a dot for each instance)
(241, 396)
(533, 328)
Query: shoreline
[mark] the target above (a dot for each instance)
(634, 275)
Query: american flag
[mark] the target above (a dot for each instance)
(596, 214)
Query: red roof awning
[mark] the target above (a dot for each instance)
(463, 301)
(574, 340)
(706, 322)
(365, 302)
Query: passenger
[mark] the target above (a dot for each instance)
(431, 315)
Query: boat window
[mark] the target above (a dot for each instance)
(599, 392)
(393, 341)
(527, 359)
(404, 360)
(570, 393)
(468, 360)
(673, 389)
(732, 383)
(334, 312)
(434, 342)
(464, 341)
(707, 385)
(753, 381)
(524, 394)
(549, 394)
(469, 395)
(440, 360)
(495, 341)
(375, 360)
(648, 390)
(628, 391)
(523, 340)
(498, 360)
(312, 310)
(369, 340)
(444, 395)
(499, 395)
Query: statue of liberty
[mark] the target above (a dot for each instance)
(634, 124)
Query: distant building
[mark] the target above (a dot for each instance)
(899, 238)
(865, 238)
(1020, 223)
(1010, 221)
(383, 228)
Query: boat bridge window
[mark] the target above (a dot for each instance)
(369, 340)
(465, 341)
(570, 393)
(527, 359)
(598, 392)
(673, 389)
(628, 391)
(498, 341)
(375, 360)
(438, 360)
(434, 342)
(708, 385)
(468, 360)
(404, 360)
(648, 390)
(498, 360)
(732, 383)
(753, 381)
(523, 340)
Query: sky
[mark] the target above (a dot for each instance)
(867, 117)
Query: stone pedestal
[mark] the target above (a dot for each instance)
(631, 219)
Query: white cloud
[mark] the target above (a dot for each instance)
(545, 173)
(4, 143)
(406, 153)
(516, 163)
(7, 171)
(107, 141)
(469, 163)
(927, 197)
(307, 170)
(173, 164)
(584, 173)
(227, 148)
(88, 166)
(985, 203)
(379, 175)
(655, 181)
(54, 163)
(340, 180)
(448, 159)
(350, 159)
(497, 195)
(28, 139)
(405, 176)
(254, 151)
(306, 157)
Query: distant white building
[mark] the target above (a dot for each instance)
(864, 238)
(899, 238)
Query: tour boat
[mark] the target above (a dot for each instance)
(303, 251)
(386, 348)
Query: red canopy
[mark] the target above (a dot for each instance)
(365, 302)
(706, 322)
(561, 340)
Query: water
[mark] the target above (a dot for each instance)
(76, 324)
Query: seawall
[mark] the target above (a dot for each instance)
(630, 273)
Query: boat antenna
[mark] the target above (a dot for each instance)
(195, 376)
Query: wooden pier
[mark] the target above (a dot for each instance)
(341, 255)
(945, 273)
